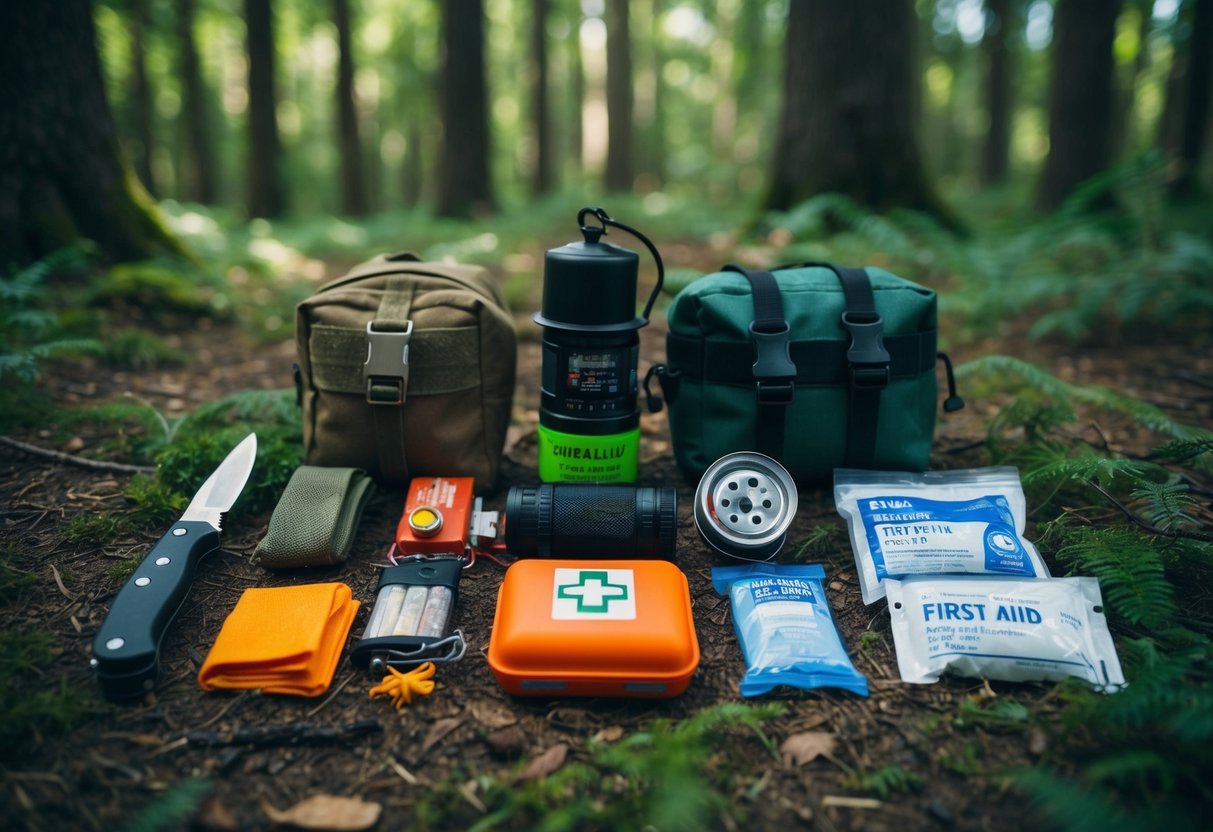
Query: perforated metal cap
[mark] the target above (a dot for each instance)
(744, 505)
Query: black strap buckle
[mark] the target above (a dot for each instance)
(867, 357)
(773, 369)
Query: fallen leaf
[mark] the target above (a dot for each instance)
(609, 734)
(216, 817)
(491, 715)
(507, 743)
(437, 732)
(74, 444)
(799, 749)
(327, 813)
(1038, 741)
(546, 763)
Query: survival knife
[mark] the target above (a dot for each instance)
(126, 651)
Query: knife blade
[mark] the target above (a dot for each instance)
(126, 650)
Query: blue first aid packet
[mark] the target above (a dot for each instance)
(786, 631)
(903, 524)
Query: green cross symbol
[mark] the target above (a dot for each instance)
(593, 591)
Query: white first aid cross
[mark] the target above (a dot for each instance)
(596, 594)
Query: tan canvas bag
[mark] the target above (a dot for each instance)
(407, 369)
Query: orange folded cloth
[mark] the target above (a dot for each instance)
(281, 640)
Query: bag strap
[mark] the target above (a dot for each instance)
(773, 369)
(387, 374)
(867, 361)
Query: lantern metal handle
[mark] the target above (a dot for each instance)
(603, 217)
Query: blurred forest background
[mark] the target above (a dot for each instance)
(463, 108)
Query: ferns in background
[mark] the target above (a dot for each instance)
(29, 329)
(1138, 526)
(1084, 273)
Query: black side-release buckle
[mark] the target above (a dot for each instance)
(773, 369)
(867, 357)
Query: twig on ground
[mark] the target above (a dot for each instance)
(59, 582)
(330, 697)
(78, 461)
(1147, 526)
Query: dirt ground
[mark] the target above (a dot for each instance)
(121, 758)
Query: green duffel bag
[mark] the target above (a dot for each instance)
(406, 369)
(817, 366)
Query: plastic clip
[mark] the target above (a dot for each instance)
(386, 370)
(773, 368)
(867, 356)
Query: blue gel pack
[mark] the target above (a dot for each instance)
(786, 631)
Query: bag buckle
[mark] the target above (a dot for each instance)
(867, 357)
(386, 370)
(773, 369)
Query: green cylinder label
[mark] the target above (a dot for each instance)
(571, 457)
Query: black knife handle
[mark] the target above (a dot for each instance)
(126, 651)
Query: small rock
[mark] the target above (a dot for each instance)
(74, 444)
(941, 814)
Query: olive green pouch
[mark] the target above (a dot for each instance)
(406, 369)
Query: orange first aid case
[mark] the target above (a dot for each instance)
(594, 628)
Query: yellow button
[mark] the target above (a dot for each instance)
(425, 521)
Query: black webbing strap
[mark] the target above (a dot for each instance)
(867, 361)
(818, 363)
(773, 369)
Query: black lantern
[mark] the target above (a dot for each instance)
(589, 422)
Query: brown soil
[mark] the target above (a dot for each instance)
(121, 758)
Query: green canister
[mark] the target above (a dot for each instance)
(589, 421)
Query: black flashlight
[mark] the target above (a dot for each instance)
(592, 521)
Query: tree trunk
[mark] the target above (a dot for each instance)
(1199, 79)
(657, 131)
(141, 95)
(464, 187)
(1124, 98)
(847, 124)
(576, 94)
(353, 187)
(199, 167)
(62, 173)
(995, 155)
(541, 175)
(1080, 97)
(412, 173)
(620, 172)
(265, 195)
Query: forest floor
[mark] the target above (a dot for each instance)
(119, 759)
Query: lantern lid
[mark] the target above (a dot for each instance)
(590, 286)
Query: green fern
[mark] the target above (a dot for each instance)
(1130, 573)
(1051, 470)
(173, 809)
(1015, 375)
(1074, 808)
(1185, 450)
(28, 327)
(886, 781)
(1168, 504)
